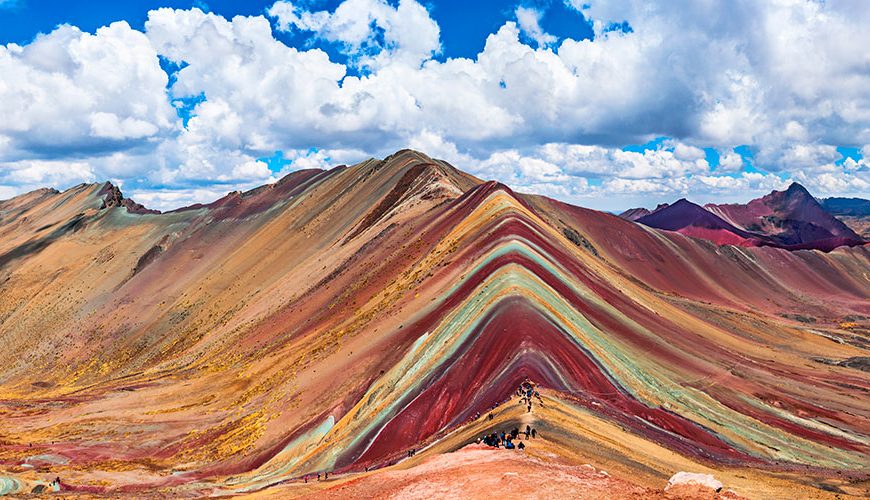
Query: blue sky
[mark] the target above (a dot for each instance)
(608, 103)
(464, 25)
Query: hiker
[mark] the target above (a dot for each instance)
(521, 447)
(528, 430)
(318, 476)
(534, 433)
(325, 476)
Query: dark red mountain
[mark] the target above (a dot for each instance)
(694, 220)
(790, 219)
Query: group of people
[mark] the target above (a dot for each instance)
(506, 439)
(526, 391)
(325, 476)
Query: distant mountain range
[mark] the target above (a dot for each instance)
(791, 219)
(856, 207)
(854, 212)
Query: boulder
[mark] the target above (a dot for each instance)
(693, 479)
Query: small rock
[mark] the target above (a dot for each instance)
(694, 479)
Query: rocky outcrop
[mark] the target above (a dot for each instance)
(112, 197)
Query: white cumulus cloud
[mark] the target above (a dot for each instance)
(373, 32)
(785, 79)
(529, 20)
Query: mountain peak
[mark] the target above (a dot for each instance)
(635, 213)
(795, 189)
(113, 197)
(792, 218)
(795, 197)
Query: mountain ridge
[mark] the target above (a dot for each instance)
(791, 219)
(807, 224)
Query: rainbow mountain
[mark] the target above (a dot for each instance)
(336, 319)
